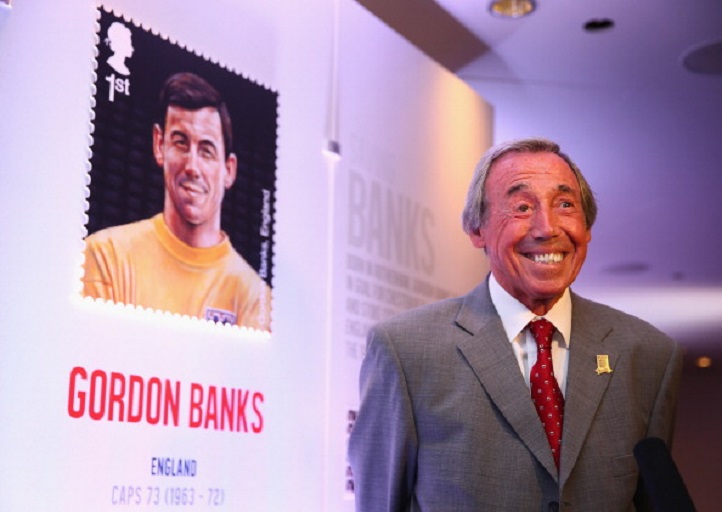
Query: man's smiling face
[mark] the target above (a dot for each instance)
(196, 171)
(534, 231)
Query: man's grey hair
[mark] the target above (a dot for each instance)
(475, 210)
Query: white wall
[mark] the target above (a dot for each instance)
(406, 127)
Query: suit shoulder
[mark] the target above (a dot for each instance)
(440, 313)
(622, 322)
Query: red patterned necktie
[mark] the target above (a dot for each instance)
(545, 393)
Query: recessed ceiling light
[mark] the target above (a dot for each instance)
(598, 24)
(678, 275)
(705, 59)
(704, 362)
(512, 8)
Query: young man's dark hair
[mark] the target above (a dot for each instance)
(191, 92)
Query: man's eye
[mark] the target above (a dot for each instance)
(567, 204)
(207, 152)
(523, 208)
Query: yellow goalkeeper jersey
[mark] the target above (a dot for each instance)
(143, 263)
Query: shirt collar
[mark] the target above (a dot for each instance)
(515, 316)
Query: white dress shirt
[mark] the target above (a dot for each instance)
(515, 317)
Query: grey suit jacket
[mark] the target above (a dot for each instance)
(446, 422)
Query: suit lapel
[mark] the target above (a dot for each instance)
(585, 388)
(492, 359)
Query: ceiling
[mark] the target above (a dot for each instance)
(646, 132)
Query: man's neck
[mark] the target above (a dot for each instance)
(202, 235)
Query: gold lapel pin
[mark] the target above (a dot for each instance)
(603, 364)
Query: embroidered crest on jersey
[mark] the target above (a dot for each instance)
(220, 316)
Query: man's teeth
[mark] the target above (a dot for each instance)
(548, 258)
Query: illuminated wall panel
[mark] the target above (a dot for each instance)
(355, 238)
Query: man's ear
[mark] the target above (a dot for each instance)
(477, 239)
(158, 144)
(231, 170)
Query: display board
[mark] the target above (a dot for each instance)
(407, 152)
(113, 404)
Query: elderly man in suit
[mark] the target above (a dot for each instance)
(467, 406)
